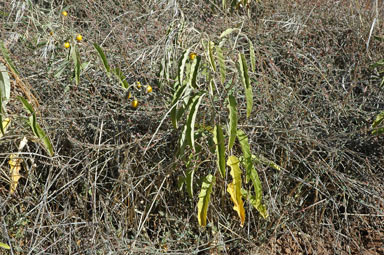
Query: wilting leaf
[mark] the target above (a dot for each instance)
(232, 106)
(218, 138)
(234, 188)
(14, 171)
(102, 57)
(204, 198)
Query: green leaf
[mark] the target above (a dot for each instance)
(7, 58)
(194, 71)
(252, 56)
(77, 62)
(189, 182)
(245, 148)
(26, 105)
(4, 246)
(181, 67)
(102, 57)
(262, 160)
(175, 112)
(45, 139)
(256, 203)
(218, 138)
(234, 188)
(210, 47)
(191, 120)
(378, 120)
(243, 69)
(204, 198)
(251, 173)
(228, 31)
(378, 131)
(232, 106)
(121, 77)
(5, 85)
(36, 129)
(221, 60)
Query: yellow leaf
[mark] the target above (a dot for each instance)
(15, 166)
(204, 197)
(6, 123)
(234, 188)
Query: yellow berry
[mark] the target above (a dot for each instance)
(79, 37)
(135, 103)
(66, 45)
(138, 84)
(64, 13)
(149, 89)
(129, 95)
(192, 55)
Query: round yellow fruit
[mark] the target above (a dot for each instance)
(79, 37)
(149, 89)
(67, 45)
(64, 13)
(135, 103)
(192, 55)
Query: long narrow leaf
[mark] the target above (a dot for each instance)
(191, 120)
(243, 69)
(5, 85)
(210, 47)
(194, 71)
(121, 77)
(204, 198)
(102, 57)
(176, 97)
(181, 66)
(4, 246)
(247, 155)
(77, 63)
(234, 188)
(252, 56)
(7, 58)
(26, 105)
(232, 106)
(4, 124)
(251, 173)
(218, 138)
(221, 60)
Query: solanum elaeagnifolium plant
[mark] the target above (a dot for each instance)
(200, 91)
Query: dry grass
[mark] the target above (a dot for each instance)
(315, 98)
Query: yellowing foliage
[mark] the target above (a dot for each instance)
(234, 188)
